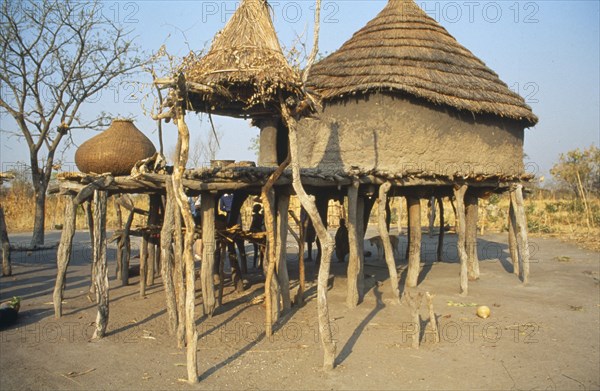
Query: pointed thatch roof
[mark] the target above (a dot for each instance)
(403, 49)
(245, 67)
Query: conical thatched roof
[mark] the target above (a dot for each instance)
(403, 49)
(245, 66)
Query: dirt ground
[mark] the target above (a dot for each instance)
(544, 336)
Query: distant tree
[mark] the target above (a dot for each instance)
(254, 145)
(205, 148)
(579, 171)
(54, 56)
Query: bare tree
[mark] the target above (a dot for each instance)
(54, 56)
(205, 147)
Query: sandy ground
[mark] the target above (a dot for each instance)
(543, 336)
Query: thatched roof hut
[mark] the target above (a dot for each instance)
(402, 96)
(405, 50)
(245, 69)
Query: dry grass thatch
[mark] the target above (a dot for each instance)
(403, 49)
(245, 65)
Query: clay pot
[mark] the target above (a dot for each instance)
(115, 151)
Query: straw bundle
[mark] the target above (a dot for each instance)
(403, 49)
(245, 65)
(115, 151)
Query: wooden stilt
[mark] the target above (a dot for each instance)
(432, 318)
(440, 248)
(153, 251)
(188, 256)
(325, 239)
(414, 303)
(178, 270)
(471, 216)
(166, 270)
(512, 237)
(414, 246)
(283, 202)
(100, 263)
(385, 238)
(521, 228)
(87, 207)
(459, 194)
(207, 207)
(399, 216)
(4, 241)
(222, 246)
(408, 235)
(360, 240)
(352, 296)
(299, 299)
(236, 275)
(124, 248)
(143, 264)
(63, 255)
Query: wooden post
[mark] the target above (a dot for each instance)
(360, 239)
(119, 215)
(183, 143)
(4, 241)
(440, 248)
(352, 296)
(124, 248)
(153, 220)
(299, 299)
(143, 264)
(87, 207)
(414, 246)
(166, 270)
(385, 238)
(521, 228)
(63, 255)
(207, 208)
(471, 214)
(100, 264)
(283, 203)
(399, 213)
(512, 237)
(459, 194)
(178, 271)
(414, 303)
(432, 318)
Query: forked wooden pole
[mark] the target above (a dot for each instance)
(178, 270)
(299, 299)
(63, 255)
(385, 238)
(100, 264)
(522, 240)
(440, 247)
(283, 203)
(459, 194)
(207, 207)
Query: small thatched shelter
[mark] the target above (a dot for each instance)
(403, 95)
(245, 70)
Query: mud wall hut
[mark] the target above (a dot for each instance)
(402, 95)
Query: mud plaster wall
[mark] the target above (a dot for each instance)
(397, 134)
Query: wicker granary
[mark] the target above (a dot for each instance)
(115, 151)
(402, 95)
(245, 70)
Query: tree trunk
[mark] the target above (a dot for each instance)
(4, 241)
(360, 239)
(100, 264)
(385, 239)
(414, 246)
(459, 194)
(39, 186)
(352, 296)
(63, 255)
(471, 214)
(178, 271)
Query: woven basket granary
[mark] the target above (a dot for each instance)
(115, 151)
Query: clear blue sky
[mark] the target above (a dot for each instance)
(548, 51)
